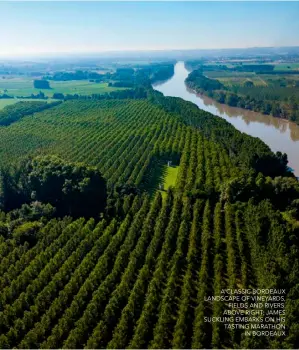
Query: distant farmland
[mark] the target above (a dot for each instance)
(6, 101)
(24, 87)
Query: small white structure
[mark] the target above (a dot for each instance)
(169, 163)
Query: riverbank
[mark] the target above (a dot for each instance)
(204, 94)
(251, 115)
(278, 134)
(269, 100)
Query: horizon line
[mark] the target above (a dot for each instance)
(115, 51)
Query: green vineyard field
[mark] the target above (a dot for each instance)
(122, 138)
(139, 278)
(139, 282)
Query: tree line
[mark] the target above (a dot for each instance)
(95, 256)
(267, 100)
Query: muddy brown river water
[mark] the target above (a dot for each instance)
(278, 134)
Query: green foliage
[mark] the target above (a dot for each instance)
(244, 150)
(183, 327)
(138, 276)
(13, 113)
(249, 84)
(197, 79)
(3, 229)
(138, 92)
(41, 84)
(78, 75)
(33, 211)
(140, 282)
(161, 72)
(202, 329)
(27, 232)
(269, 99)
(73, 189)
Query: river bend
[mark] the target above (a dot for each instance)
(278, 134)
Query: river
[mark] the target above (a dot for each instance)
(278, 134)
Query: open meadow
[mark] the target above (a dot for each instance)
(6, 102)
(24, 87)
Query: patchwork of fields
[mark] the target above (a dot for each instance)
(266, 88)
(137, 275)
(24, 87)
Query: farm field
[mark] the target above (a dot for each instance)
(9, 101)
(228, 74)
(151, 266)
(149, 175)
(232, 78)
(24, 87)
(6, 102)
(171, 176)
(240, 80)
(256, 89)
(137, 275)
(277, 65)
(152, 255)
(122, 138)
(287, 66)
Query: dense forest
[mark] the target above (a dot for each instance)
(41, 84)
(279, 98)
(94, 254)
(121, 77)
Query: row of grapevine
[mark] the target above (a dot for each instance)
(162, 332)
(102, 332)
(200, 328)
(40, 330)
(140, 282)
(43, 298)
(49, 233)
(148, 317)
(120, 137)
(131, 312)
(139, 277)
(40, 263)
(183, 328)
(80, 300)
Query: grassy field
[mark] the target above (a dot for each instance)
(287, 66)
(9, 101)
(24, 87)
(257, 80)
(235, 78)
(170, 176)
(6, 101)
(227, 74)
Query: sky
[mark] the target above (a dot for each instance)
(28, 28)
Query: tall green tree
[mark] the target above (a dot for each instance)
(73, 188)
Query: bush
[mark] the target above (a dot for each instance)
(3, 229)
(27, 232)
(41, 84)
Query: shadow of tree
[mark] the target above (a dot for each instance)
(155, 176)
